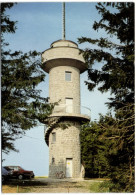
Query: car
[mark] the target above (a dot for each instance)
(5, 174)
(19, 173)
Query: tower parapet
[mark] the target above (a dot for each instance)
(63, 53)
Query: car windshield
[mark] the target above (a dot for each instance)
(7, 168)
(21, 168)
(15, 168)
(4, 171)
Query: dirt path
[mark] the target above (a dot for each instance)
(8, 189)
(63, 187)
(45, 185)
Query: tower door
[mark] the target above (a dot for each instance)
(69, 105)
(69, 167)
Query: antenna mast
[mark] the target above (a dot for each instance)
(63, 15)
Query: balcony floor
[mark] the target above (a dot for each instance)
(81, 117)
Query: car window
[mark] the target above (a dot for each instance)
(4, 171)
(21, 168)
(7, 168)
(16, 168)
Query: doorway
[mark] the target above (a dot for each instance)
(69, 167)
(69, 105)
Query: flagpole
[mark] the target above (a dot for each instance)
(63, 20)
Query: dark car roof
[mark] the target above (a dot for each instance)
(10, 166)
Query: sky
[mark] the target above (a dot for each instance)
(40, 24)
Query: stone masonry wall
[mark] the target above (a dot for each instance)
(67, 145)
(61, 57)
(59, 88)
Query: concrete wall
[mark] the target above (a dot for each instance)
(67, 145)
(63, 50)
(64, 56)
(60, 89)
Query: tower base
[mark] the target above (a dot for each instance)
(64, 150)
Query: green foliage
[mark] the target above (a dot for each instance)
(116, 51)
(115, 134)
(97, 187)
(105, 186)
(22, 105)
(100, 186)
(108, 149)
(93, 151)
(7, 26)
(119, 138)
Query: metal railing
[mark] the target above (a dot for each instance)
(71, 109)
(64, 109)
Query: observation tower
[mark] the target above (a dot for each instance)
(64, 64)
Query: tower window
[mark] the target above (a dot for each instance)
(53, 137)
(69, 105)
(67, 76)
(53, 160)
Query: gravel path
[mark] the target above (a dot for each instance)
(47, 185)
(62, 186)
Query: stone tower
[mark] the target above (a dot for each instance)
(64, 63)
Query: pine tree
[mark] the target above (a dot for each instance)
(93, 151)
(117, 72)
(118, 135)
(22, 105)
(115, 53)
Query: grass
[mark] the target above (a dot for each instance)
(100, 187)
(23, 189)
(15, 189)
(28, 186)
(41, 177)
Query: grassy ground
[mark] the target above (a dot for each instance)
(98, 187)
(41, 177)
(42, 185)
(15, 189)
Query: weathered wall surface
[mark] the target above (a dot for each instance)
(59, 88)
(67, 145)
(64, 56)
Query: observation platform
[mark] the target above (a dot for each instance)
(63, 53)
(70, 111)
(80, 113)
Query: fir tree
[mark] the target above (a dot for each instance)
(117, 72)
(94, 151)
(22, 105)
(117, 75)
(117, 134)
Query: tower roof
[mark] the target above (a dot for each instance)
(63, 53)
(61, 43)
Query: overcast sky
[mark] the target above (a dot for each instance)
(40, 24)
